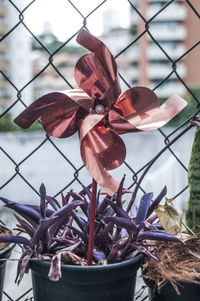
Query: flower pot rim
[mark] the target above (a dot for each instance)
(116, 265)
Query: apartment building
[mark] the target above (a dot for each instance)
(4, 58)
(176, 29)
(15, 61)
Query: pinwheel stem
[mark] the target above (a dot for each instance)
(92, 223)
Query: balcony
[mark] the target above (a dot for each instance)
(3, 47)
(160, 71)
(154, 52)
(133, 54)
(3, 11)
(3, 30)
(154, 1)
(151, 1)
(173, 12)
(4, 84)
(130, 73)
(169, 89)
(178, 33)
(4, 66)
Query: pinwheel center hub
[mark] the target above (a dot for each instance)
(99, 109)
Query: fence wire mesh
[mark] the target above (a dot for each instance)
(16, 167)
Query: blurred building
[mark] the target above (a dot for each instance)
(176, 29)
(14, 59)
(50, 80)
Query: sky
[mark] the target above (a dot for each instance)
(64, 20)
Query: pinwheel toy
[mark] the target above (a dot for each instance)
(98, 113)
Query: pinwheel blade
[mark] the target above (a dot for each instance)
(103, 150)
(58, 113)
(138, 110)
(96, 73)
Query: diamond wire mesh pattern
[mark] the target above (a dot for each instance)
(141, 294)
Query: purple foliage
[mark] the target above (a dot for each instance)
(63, 229)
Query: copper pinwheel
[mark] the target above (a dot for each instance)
(98, 113)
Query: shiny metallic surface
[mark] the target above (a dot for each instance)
(98, 113)
(138, 109)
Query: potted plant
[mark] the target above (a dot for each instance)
(97, 252)
(57, 233)
(178, 278)
(5, 252)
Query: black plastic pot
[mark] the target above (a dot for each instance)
(4, 253)
(91, 283)
(188, 292)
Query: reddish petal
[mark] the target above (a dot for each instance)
(119, 124)
(136, 101)
(138, 110)
(103, 150)
(88, 123)
(158, 117)
(58, 113)
(81, 98)
(96, 73)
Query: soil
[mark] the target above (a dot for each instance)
(179, 263)
(4, 232)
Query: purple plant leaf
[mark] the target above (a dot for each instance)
(156, 202)
(62, 215)
(23, 265)
(53, 202)
(123, 222)
(28, 213)
(143, 208)
(103, 234)
(75, 196)
(42, 191)
(64, 199)
(65, 210)
(79, 233)
(120, 192)
(145, 226)
(158, 235)
(118, 210)
(83, 205)
(152, 218)
(42, 230)
(98, 198)
(80, 221)
(104, 203)
(65, 241)
(49, 212)
(133, 211)
(25, 225)
(158, 226)
(67, 197)
(86, 191)
(124, 233)
(99, 256)
(55, 270)
(145, 251)
(114, 253)
(15, 239)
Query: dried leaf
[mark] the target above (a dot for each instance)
(170, 217)
(55, 270)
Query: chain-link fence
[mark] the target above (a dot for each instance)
(140, 29)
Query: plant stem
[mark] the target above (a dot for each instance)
(191, 124)
(188, 228)
(92, 223)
